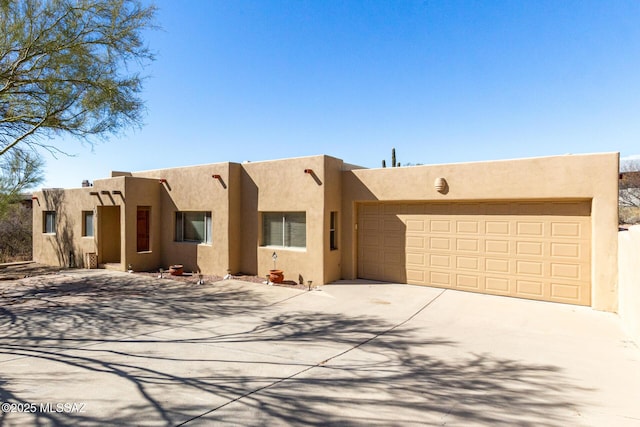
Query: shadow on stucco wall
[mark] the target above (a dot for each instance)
(63, 240)
(250, 223)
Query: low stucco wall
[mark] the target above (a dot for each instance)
(629, 280)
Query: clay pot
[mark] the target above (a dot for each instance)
(176, 270)
(276, 276)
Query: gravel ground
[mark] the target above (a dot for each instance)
(18, 271)
(193, 278)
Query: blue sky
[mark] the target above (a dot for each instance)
(441, 81)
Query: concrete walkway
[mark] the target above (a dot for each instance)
(109, 349)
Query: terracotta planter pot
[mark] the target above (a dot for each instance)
(176, 270)
(276, 276)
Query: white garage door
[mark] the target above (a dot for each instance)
(536, 250)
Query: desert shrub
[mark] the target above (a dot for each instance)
(16, 234)
(629, 215)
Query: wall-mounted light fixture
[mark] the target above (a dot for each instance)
(308, 171)
(162, 181)
(34, 197)
(441, 185)
(93, 193)
(104, 192)
(116, 192)
(216, 176)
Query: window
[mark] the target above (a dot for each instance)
(143, 229)
(333, 231)
(286, 229)
(49, 222)
(193, 227)
(87, 223)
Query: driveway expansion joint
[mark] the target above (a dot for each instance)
(321, 364)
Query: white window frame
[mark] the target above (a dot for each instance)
(85, 229)
(49, 222)
(179, 227)
(286, 240)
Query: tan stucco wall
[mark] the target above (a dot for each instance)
(283, 186)
(629, 283)
(69, 205)
(142, 192)
(245, 190)
(194, 189)
(593, 177)
(332, 203)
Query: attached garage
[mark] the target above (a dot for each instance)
(528, 249)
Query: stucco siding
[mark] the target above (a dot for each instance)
(591, 177)
(284, 186)
(629, 297)
(238, 195)
(189, 189)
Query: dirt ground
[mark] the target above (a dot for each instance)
(21, 270)
(18, 271)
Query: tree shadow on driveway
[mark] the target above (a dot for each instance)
(135, 334)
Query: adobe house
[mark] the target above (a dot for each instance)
(539, 228)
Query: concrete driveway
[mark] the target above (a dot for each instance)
(97, 348)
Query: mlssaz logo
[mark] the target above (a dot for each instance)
(65, 408)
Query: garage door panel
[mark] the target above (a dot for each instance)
(567, 271)
(468, 263)
(569, 251)
(499, 228)
(497, 265)
(439, 278)
(414, 225)
(467, 227)
(439, 261)
(416, 260)
(539, 250)
(440, 243)
(530, 228)
(414, 242)
(496, 247)
(440, 226)
(394, 241)
(369, 269)
(416, 276)
(468, 245)
(395, 274)
(529, 268)
(566, 229)
(529, 248)
(468, 282)
(566, 292)
(393, 258)
(530, 288)
(372, 240)
(500, 285)
(393, 225)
